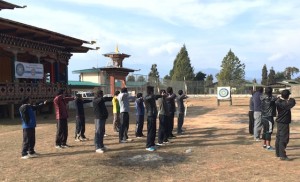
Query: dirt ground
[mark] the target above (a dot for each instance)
(215, 147)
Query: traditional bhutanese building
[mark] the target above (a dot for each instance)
(33, 61)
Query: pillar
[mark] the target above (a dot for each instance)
(12, 111)
(112, 84)
(13, 65)
(52, 74)
(124, 82)
(57, 72)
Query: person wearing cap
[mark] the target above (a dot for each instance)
(101, 114)
(284, 104)
(28, 124)
(80, 118)
(61, 115)
(268, 112)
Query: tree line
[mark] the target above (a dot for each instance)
(232, 72)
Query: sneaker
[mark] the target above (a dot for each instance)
(105, 135)
(84, 138)
(159, 144)
(65, 146)
(25, 157)
(284, 159)
(77, 139)
(100, 151)
(257, 139)
(33, 155)
(166, 142)
(104, 148)
(139, 137)
(123, 141)
(264, 146)
(172, 136)
(58, 147)
(270, 148)
(128, 139)
(151, 149)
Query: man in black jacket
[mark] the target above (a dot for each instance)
(172, 109)
(181, 110)
(101, 114)
(268, 111)
(151, 112)
(284, 117)
(80, 118)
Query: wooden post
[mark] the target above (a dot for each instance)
(12, 111)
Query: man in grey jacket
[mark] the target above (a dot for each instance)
(257, 113)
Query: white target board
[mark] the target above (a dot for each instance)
(223, 93)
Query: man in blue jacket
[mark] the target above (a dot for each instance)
(28, 124)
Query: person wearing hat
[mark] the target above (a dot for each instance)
(80, 118)
(101, 114)
(28, 124)
(284, 105)
(61, 115)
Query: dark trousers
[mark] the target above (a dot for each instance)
(80, 126)
(99, 133)
(139, 125)
(61, 132)
(28, 141)
(124, 126)
(268, 124)
(251, 122)
(151, 131)
(180, 122)
(282, 139)
(162, 135)
(171, 123)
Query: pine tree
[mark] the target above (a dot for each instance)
(130, 78)
(209, 80)
(200, 76)
(232, 72)
(140, 78)
(153, 76)
(271, 76)
(264, 75)
(182, 66)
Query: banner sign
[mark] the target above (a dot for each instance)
(223, 92)
(29, 70)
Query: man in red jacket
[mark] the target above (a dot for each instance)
(60, 104)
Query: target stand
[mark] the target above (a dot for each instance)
(224, 95)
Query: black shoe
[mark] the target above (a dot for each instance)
(284, 159)
(172, 136)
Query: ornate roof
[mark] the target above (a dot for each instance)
(7, 5)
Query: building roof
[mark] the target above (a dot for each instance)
(83, 84)
(110, 68)
(116, 54)
(21, 30)
(7, 5)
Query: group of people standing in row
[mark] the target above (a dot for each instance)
(263, 108)
(153, 106)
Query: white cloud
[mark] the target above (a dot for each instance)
(170, 48)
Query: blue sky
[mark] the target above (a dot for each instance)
(258, 31)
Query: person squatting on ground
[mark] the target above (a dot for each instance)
(28, 124)
(124, 115)
(60, 104)
(257, 113)
(284, 118)
(181, 110)
(163, 119)
(172, 109)
(268, 112)
(140, 113)
(116, 112)
(80, 118)
(101, 114)
(151, 111)
(251, 114)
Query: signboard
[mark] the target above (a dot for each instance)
(223, 93)
(29, 70)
